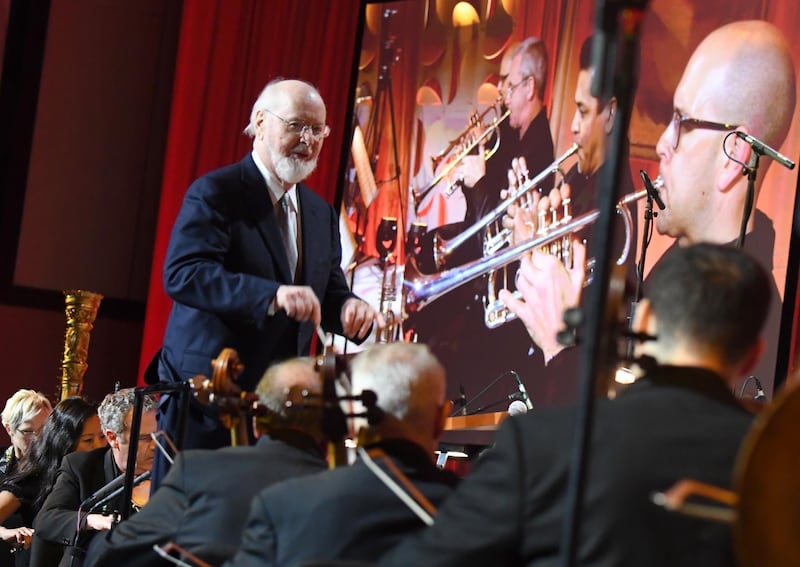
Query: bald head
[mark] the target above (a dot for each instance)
(280, 379)
(280, 94)
(749, 77)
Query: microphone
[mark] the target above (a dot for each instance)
(760, 395)
(652, 191)
(521, 387)
(763, 149)
(516, 397)
(517, 408)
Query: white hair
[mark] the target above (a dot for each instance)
(267, 99)
(24, 405)
(407, 378)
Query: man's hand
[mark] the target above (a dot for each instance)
(548, 289)
(532, 213)
(471, 169)
(99, 522)
(300, 303)
(357, 318)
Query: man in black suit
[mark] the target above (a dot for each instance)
(201, 501)
(349, 513)
(253, 260)
(82, 474)
(705, 307)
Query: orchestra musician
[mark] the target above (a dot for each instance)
(82, 474)
(680, 420)
(349, 513)
(201, 508)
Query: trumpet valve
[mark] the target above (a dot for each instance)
(542, 223)
(566, 203)
(566, 252)
(542, 209)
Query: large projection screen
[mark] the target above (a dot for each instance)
(424, 68)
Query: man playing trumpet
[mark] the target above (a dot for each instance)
(591, 128)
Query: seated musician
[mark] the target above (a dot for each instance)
(348, 513)
(680, 420)
(82, 474)
(201, 504)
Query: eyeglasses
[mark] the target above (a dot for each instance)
(298, 127)
(510, 88)
(679, 120)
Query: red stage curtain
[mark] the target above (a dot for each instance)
(228, 50)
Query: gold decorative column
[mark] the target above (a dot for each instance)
(81, 310)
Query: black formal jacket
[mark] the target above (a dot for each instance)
(345, 513)
(201, 504)
(80, 476)
(224, 264)
(676, 423)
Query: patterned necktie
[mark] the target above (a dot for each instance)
(287, 218)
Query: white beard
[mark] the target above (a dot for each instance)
(291, 169)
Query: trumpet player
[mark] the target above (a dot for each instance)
(528, 133)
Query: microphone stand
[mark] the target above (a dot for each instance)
(462, 409)
(647, 234)
(752, 172)
(510, 398)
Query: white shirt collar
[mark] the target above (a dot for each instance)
(275, 187)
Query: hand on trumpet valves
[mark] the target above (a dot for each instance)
(546, 289)
(536, 214)
(358, 317)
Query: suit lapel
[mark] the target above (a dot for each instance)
(256, 196)
(314, 239)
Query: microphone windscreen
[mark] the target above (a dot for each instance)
(517, 407)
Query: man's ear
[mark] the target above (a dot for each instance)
(531, 94)
(752, 356)
(8, 429)
(611, 114)
(258, 121)
(731, 171)
(444, 413)
(112, 438)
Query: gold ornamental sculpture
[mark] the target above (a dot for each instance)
(81, 311)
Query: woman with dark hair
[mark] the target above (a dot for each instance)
(73, 426)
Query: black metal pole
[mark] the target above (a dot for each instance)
(183, 390)
(617, 27)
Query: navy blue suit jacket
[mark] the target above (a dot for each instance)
(224, 265)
